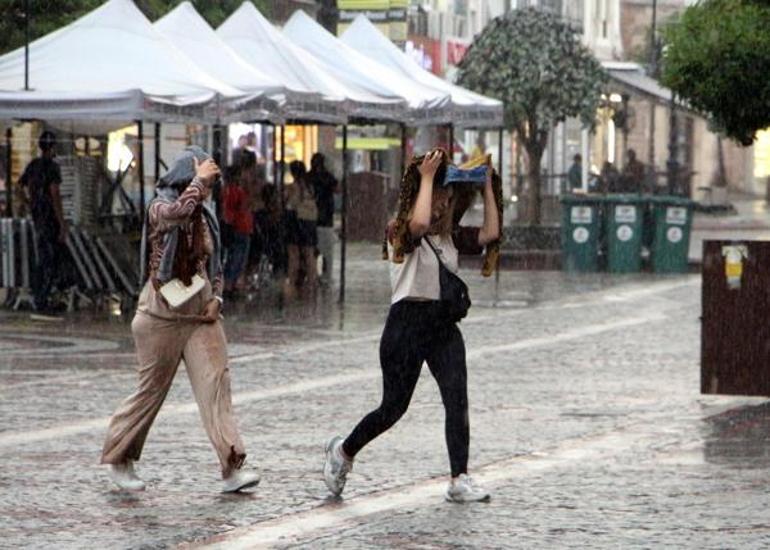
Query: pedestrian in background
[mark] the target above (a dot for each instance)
(419, 327)
(273, 230)
(301, 237)
(609, 178)
(238, 213)
(324, 186)
(41, 182)
(180, 260)
(575, 174)
(633, 174)
(255, 188)
(243, 142)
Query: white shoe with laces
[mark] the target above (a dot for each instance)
(124, 476)
(464, 489)
(337, 467)
(239, 480)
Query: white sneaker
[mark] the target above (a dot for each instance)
(336, 467)
(123, 476)
(239, 480)
(463, 489)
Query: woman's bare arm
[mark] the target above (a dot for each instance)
(490, 230)
(419, 223)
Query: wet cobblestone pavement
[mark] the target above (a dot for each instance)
(587, 426)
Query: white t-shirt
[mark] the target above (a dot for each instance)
(417, 277)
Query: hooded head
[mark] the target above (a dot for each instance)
(317, 162)
(182, 171)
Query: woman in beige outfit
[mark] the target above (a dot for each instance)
(180, 241)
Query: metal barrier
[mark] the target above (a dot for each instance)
(98, 274)
(17, 256)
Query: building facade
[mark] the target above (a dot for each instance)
(619, 33)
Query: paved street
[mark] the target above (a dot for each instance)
(587, 426)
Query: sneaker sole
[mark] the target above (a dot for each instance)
(455, 501)
(130, 489)
(248, 485)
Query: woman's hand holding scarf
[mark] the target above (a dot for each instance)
(207, 171)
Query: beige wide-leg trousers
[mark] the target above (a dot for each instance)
(163, 338)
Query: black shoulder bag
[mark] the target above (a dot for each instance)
(454, 292)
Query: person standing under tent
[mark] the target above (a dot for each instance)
(237, 212)
(180, 260)
(301, 237)
(324, 185)
(420, 327)
(41, 183)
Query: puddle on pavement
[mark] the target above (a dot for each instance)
(739, 438)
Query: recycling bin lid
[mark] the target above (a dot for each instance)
(668, 200)
(625, 198)
(582, 199)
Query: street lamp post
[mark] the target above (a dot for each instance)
(672, 165)
(653, 73)
(26, 45)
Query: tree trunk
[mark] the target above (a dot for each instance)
(534, 198)
(722, 172)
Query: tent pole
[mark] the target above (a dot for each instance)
(275, 157)
(344, 227)
(157, 151)
(451, 142)
(26, 45)
(403, 149)
(282, 167)
(500, 153)
(500, 174)
(216, 143)
(8, 172)
(140, 166)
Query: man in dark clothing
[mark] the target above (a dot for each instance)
(324, 185)
(633, 174)
(575, 174)
(40, 181)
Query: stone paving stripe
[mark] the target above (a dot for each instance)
(66, 430)
(47, 380)
(342, 514)
(71, 346)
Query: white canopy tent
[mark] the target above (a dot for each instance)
(187, 30)
(257, 41)
(427, 105)
(468, 109)
(109, 65)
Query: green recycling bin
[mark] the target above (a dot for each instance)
(624, 215)
(580, 232)
(672, 218)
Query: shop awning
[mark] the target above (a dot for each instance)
(468, 109)
(633, 76)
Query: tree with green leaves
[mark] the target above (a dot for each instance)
(717, 58)
(534, 63)
(48, 15)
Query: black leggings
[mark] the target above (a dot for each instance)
(417, 332)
